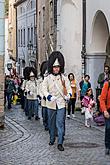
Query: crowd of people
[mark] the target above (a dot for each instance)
(56, 94)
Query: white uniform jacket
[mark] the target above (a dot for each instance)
(43, 102)
(23, 87)
(52, 85)
(32, 88)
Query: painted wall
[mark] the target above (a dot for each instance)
(69, 35)
(7, 59)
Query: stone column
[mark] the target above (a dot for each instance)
(2, 53)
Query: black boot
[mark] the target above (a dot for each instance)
(51, 143)
(60, 147)
(37, 118)
(107, 151)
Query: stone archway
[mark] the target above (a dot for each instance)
(100, 33)
(98, 47)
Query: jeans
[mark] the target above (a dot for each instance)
(56, 119)
(9, 97)
(107, 133)
(26, 106)
(45, 117)
(33, 107)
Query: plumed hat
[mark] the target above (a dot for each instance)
(56, 63)
(27, 71)
(56, 59)
(43, 68)
(31, 74)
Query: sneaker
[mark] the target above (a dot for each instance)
(37, 118)
(46, 129)
(107, 151)
(60, 147)
(51, 143)
(29, 118)
(87, 125)
(68, 116)
(73, 116)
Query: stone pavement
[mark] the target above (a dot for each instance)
(24, 142)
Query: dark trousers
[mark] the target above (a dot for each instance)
(71, 105)
(107, 133)
(45, 117)
(9, 97)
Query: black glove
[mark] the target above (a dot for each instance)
(25, 93)
(44, 98)
(39, 97)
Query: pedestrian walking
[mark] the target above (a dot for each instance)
(43, 73)
(88, 104)
(105, 108)
(32, 93)
(72, 101)
(10, 90)
(84, 85)
(54, 91)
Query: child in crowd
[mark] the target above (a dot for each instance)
(88, 104)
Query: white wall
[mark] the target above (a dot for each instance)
(6, 58)
(69, 35)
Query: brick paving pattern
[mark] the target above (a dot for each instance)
(24, 142)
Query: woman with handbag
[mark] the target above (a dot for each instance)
(105, 108)
(72, 101)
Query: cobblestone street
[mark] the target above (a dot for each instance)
(24, 142)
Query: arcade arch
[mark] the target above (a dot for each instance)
(99, 47)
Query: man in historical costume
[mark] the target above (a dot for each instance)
(57, 90)
(43, 73)
(32, 89)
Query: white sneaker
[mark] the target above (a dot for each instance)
(73, 116)
(68, 116)
(86, 125)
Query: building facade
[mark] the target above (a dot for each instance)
(2, 54)
(26, 34)
(63, 31)
(47, 28)
(81, 33)
(12, 30)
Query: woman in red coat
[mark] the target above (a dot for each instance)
(105, 108)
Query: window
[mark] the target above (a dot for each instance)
(51, 17)
(39, 24)
(35, 35)
(31, 35)
(18, 37)
(43, 21)
(24, 37)
(28, 35)
(21, 37)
